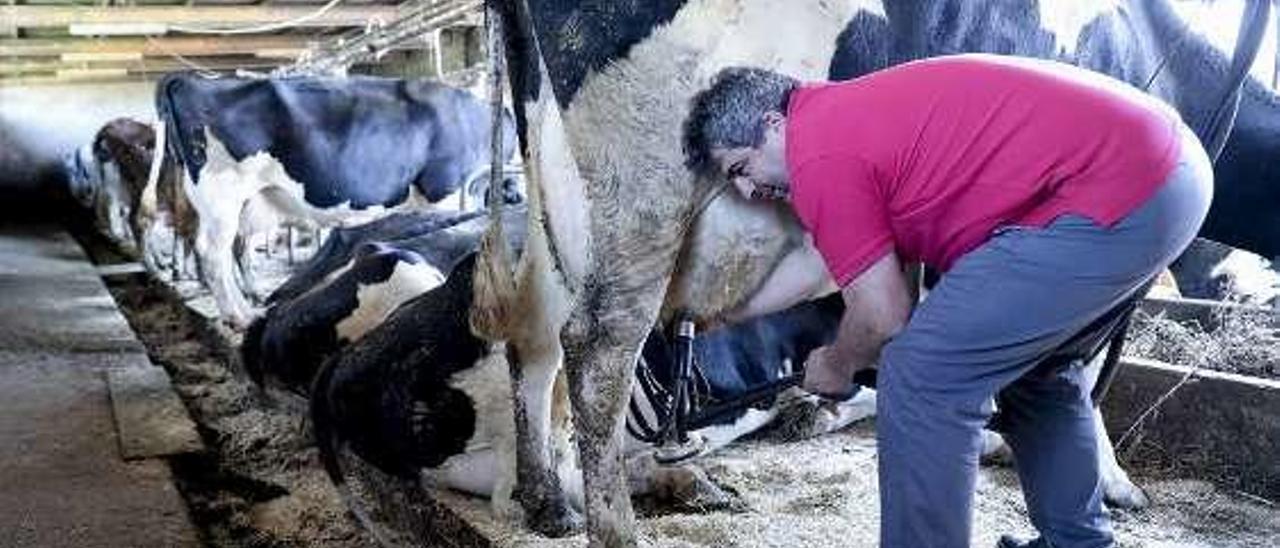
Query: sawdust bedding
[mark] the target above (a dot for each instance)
(260, 483)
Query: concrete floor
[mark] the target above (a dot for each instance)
(62, 480)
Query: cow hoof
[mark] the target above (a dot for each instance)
(995, 452)
(555, 520)
(688, 488)
(1126, 496)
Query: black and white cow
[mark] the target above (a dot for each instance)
(375, 269)
(421, 397)
(287, 344)
(313, 151)
(622, 235)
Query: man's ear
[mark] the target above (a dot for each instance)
(774, 119)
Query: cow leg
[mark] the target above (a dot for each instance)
(129, 211)
(119, 220)
(1118, 491)
(599, 386)
(539, 488)
(148, 222)
(178, 257)
(138, 230)
(242, 250)
(215, 238)
(995, 451)
(184, 265)
(601, 347)
(146, 248)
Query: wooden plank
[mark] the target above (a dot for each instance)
(149, 66)
(51, 80)
(60, 16)
(186, 46)
(91, 73)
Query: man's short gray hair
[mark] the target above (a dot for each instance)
(730, 113)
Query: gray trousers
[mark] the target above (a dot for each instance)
(981, 332)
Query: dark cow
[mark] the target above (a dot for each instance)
(313, 151)
(333, 308)
(622, 235)
(129, 145)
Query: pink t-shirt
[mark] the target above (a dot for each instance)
(929, 158)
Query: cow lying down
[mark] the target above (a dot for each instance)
(435, 403)
(358, 277)
(286, 346)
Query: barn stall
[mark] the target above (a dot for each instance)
(217, 461)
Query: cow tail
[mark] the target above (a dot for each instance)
(494, 286)
(327, 438)
(251, 350)
(160, 150)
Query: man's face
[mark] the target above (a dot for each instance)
(759, 172)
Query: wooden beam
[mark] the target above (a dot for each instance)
(186, 46)
(11, 31)
(51, 78)
(134, 67)
(48, 80)
(59, 16)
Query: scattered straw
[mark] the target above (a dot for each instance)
(1246, 341)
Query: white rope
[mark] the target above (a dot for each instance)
(1142, 418)
(281, 25)
(338, 54)
(204, 71)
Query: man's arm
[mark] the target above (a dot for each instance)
(799, 276)
(877, 305)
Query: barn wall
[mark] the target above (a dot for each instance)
(40, 123)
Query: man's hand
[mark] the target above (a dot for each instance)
(828, 376)
(877, 304)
